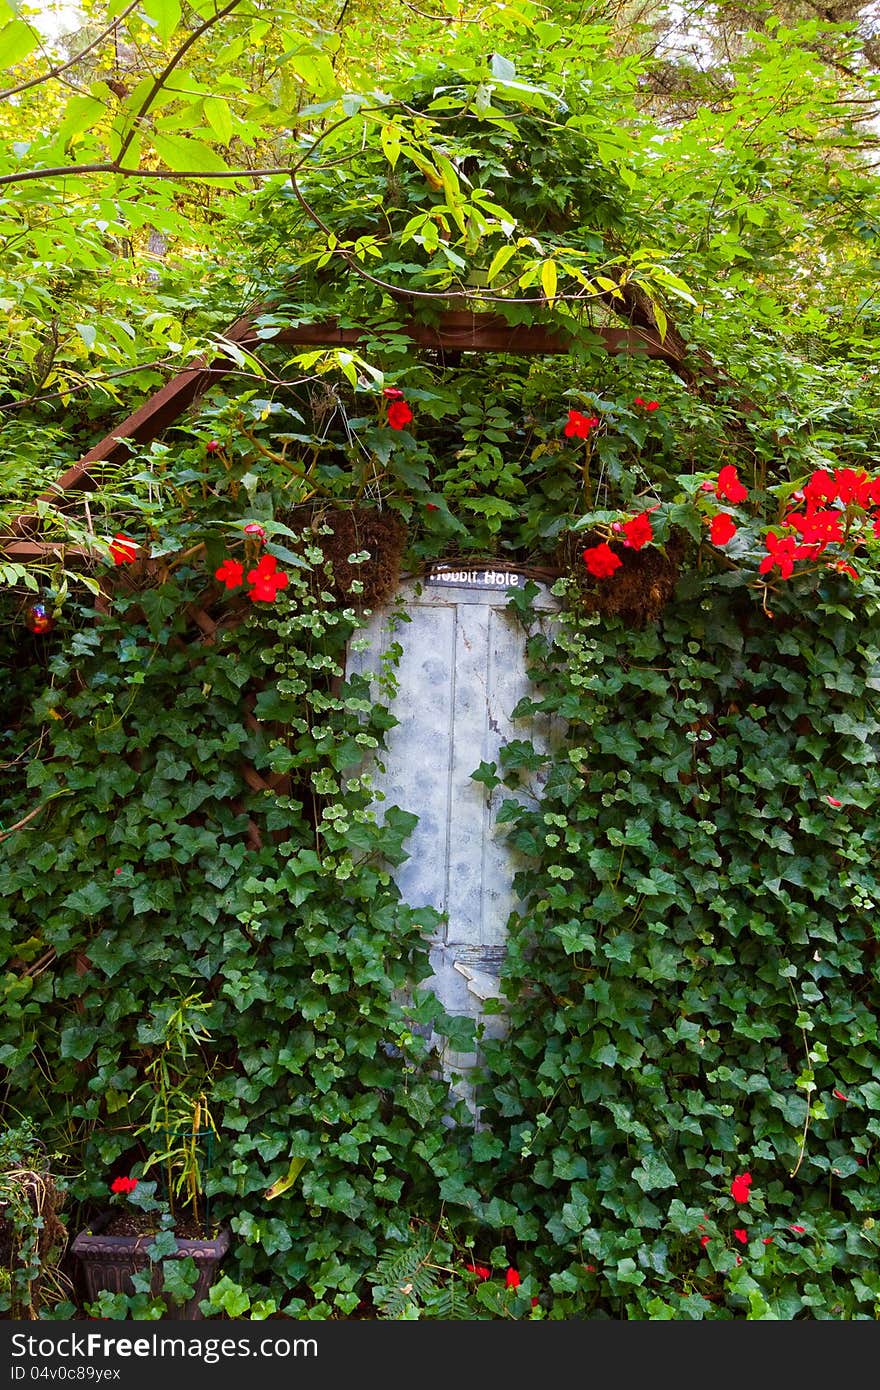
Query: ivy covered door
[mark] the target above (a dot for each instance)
(460, 675)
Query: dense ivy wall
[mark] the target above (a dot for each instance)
(694, 986)
(254, 939)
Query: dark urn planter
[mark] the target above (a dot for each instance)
(108, 1262)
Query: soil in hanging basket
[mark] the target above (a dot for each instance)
(108, 1261)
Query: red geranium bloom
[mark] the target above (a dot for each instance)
(512, 1279)
(392, 393)
(741, 1235)
(578, 426)
(126, 1185)
(601, 560)
(124, 550)
(399, 414)
(266, 580)
(739, 1188)
(638, 531)
(721, 529)
(230, 573)
(480, 1270)
(729, 486)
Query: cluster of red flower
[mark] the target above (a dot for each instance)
(265, 579)
(822, 521)
(124, 1185)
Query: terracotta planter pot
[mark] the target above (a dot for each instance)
(108, 1262)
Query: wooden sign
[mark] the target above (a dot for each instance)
(481, 577)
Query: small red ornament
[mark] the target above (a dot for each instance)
(39, 619)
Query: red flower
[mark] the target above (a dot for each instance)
(721, 529)
(212, 446)
(431, 507)
(601, 560)
(126, 1185)
(638, 531)
(254, 528)
(832, 801)
(231, 573)
(739, 1188)
(638, 401)
(820, 488)
(768, 1240)
(480, 1270)
(512, 1279)
(729, 486)
(706, 486)
(704, 1240)
(783, 552)
(799, 1230)
(843, 568)
(392, 393)
(578, 426)
(266, 580)
(840, 1095)
(399, 414)
(653, 405)
(124, 551)
(741, 1235)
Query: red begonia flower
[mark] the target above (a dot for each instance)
(212, 446)
(480, 1270)
(399, 414)
(266, 580)
(820, 488)
(729, 486)
(512, 1279)
(125, 1185)
(840, 1095)
(638, 531)
(254, 528)
(782, 551)
(392, 393)
(722, 529)
(741, 1235)
(739, 1188)
(704, 1240)
(638, 401)
(832, 801)
(578, 426)
(653, 405)
(706, 486)
(124, 551)
(799, 1230)
(230, 573)
(601, 560)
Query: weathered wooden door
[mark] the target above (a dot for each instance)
(461, 674)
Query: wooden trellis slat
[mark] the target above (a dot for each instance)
(455, 332)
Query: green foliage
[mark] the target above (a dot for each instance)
(693, 983)
(32, 1238)
(163, 886)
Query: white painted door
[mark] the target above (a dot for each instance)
(461, 674)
